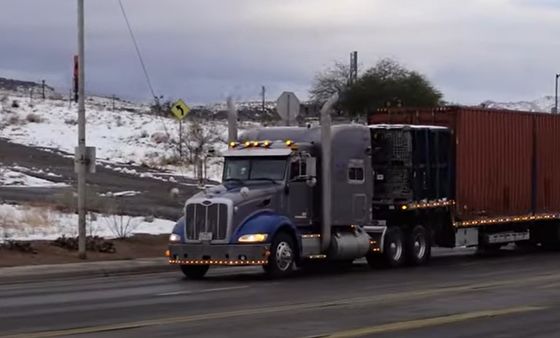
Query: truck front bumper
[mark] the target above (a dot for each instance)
(219, 254)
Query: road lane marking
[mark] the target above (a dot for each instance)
(346, 302)
(428, 322)
(191, 292)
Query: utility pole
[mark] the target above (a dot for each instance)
(81, 158)
(263, 93)
(353, 68)
(43, 87)
(556, 96)
(232, 120)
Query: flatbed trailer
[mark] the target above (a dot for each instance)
(498, 170)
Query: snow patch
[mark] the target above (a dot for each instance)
(13, 178)
(35, 223)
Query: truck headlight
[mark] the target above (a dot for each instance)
(253, 238)
(174, 238)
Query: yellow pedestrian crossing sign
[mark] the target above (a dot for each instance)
(180, 109)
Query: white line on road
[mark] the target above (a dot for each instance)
(175, 293)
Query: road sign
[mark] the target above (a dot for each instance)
(287, 107)
(180, 109)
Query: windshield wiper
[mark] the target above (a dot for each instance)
(264, 179)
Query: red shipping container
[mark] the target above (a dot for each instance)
(493, 157)
(547, 136)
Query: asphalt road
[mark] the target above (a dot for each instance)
(154, 198)
(514, 295)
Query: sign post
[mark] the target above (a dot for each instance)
(180, 110)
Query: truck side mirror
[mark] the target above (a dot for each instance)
(311, 171)
(311, 167)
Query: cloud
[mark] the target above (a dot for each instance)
(205, 50)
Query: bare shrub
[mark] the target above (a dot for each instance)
(7, 221)
(160, 137)
(119, 120)
(33, 118)
(71, 121)
(200, 141)
(171, 160)
(93, 243)
(15, 104)
(122, 226)
(15, 121)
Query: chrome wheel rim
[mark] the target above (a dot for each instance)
(284, 256)
(419, 246)
(396, 250)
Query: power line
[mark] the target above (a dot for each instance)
(138, 51)
(144, 68)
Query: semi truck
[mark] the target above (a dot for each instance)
(389, 191)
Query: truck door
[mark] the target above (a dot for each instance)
(299, 193)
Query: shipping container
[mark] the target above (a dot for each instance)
(547, 136)
(505, 162)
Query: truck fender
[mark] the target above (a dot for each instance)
(179, 228)
(267, 222)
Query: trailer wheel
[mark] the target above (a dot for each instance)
(393, 250)
(282, 256)
(195, 271)
(418, 246)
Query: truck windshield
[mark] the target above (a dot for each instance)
(254, 168)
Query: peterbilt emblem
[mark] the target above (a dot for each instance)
(206, 203)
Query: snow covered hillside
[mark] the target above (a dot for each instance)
(544, 105)
(129, 134)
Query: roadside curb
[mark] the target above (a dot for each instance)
(38, 273)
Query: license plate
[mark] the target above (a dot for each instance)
(205, 236)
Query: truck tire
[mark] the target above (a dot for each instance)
(195, 271)
(393, 251)
(282, 256)
(418, 246)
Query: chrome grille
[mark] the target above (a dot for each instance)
(212, 217)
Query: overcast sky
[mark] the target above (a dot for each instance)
(204, 50)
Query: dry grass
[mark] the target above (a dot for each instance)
(27, 216)
(38, 217)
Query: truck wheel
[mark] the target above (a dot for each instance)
(418, 246)
(282, 256)
(194, 271)
(393, 251)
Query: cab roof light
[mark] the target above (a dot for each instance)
(255, 143)
(289, 143)
(233, 144)
(247, 143)
(266, 144)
